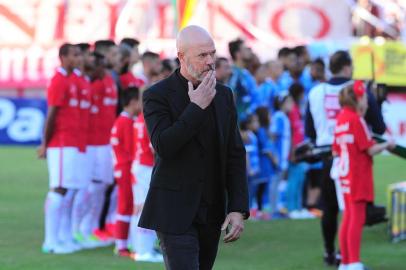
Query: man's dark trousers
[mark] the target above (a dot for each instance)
(194, 250)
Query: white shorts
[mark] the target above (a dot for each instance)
(84, 168)
(101, 163)
(143, 178)
(63, 167)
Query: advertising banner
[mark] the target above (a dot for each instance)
(22, 120)
(383, 61)
(32, 30)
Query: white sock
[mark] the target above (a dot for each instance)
(65, 229)
(79, 209)
(90, 221)
(343, 267)
(53, 205)
(355, 266)
(121, 244)
(142, 240)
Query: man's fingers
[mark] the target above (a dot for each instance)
(234, 234)
(225, 224)
(229, 235)
(212, 82)
(206, 78)
(210, 77)
(190, 86)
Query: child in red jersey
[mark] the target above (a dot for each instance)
(122, 141)
(355, 147)
(143, 240)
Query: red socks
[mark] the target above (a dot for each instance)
(351, 230)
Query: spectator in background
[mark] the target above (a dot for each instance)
(127, 78)
(275, 70)
(297, 69)
(168, 67)
(321, 113)
(320, 121)
(253, 63)
(317, 71)
(135, 53)
(267, 159)
(265, 89)
(302, 54)
(283, 57)
(223, 70)
(151, 67)
(297, 170)
(281, 133)
(111, 54)
(291, 69)
(248, 128)
(241, 82)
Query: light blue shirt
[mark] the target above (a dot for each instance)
(281, 130)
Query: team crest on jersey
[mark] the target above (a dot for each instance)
(109, 101)
(73, 102)
(84, 104)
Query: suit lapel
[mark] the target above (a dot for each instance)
(178, 95)
(179, 100)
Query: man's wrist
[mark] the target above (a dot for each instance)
(244, 215)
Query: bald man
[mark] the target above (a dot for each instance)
(198, 185)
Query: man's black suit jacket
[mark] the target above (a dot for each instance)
(173, 124)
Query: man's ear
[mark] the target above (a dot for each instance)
(181, 55)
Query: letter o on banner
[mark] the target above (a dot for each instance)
(277, 17)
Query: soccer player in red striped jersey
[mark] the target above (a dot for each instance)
(122, 141)
(61, 147)
(81, 77)
(102, 117)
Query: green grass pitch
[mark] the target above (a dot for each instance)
(279, 245)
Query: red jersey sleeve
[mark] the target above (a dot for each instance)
(363, 139)
(56, 91)
(335, 148)
(128, 139)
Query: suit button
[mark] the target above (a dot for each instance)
(201, 180)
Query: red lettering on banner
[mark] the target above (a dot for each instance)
(234, 21)
(277, 17)
(60, 23)
(254, 11)
(17, 21)
(162, 20)
(113, 17)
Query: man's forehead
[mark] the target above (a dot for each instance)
(207, 47)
